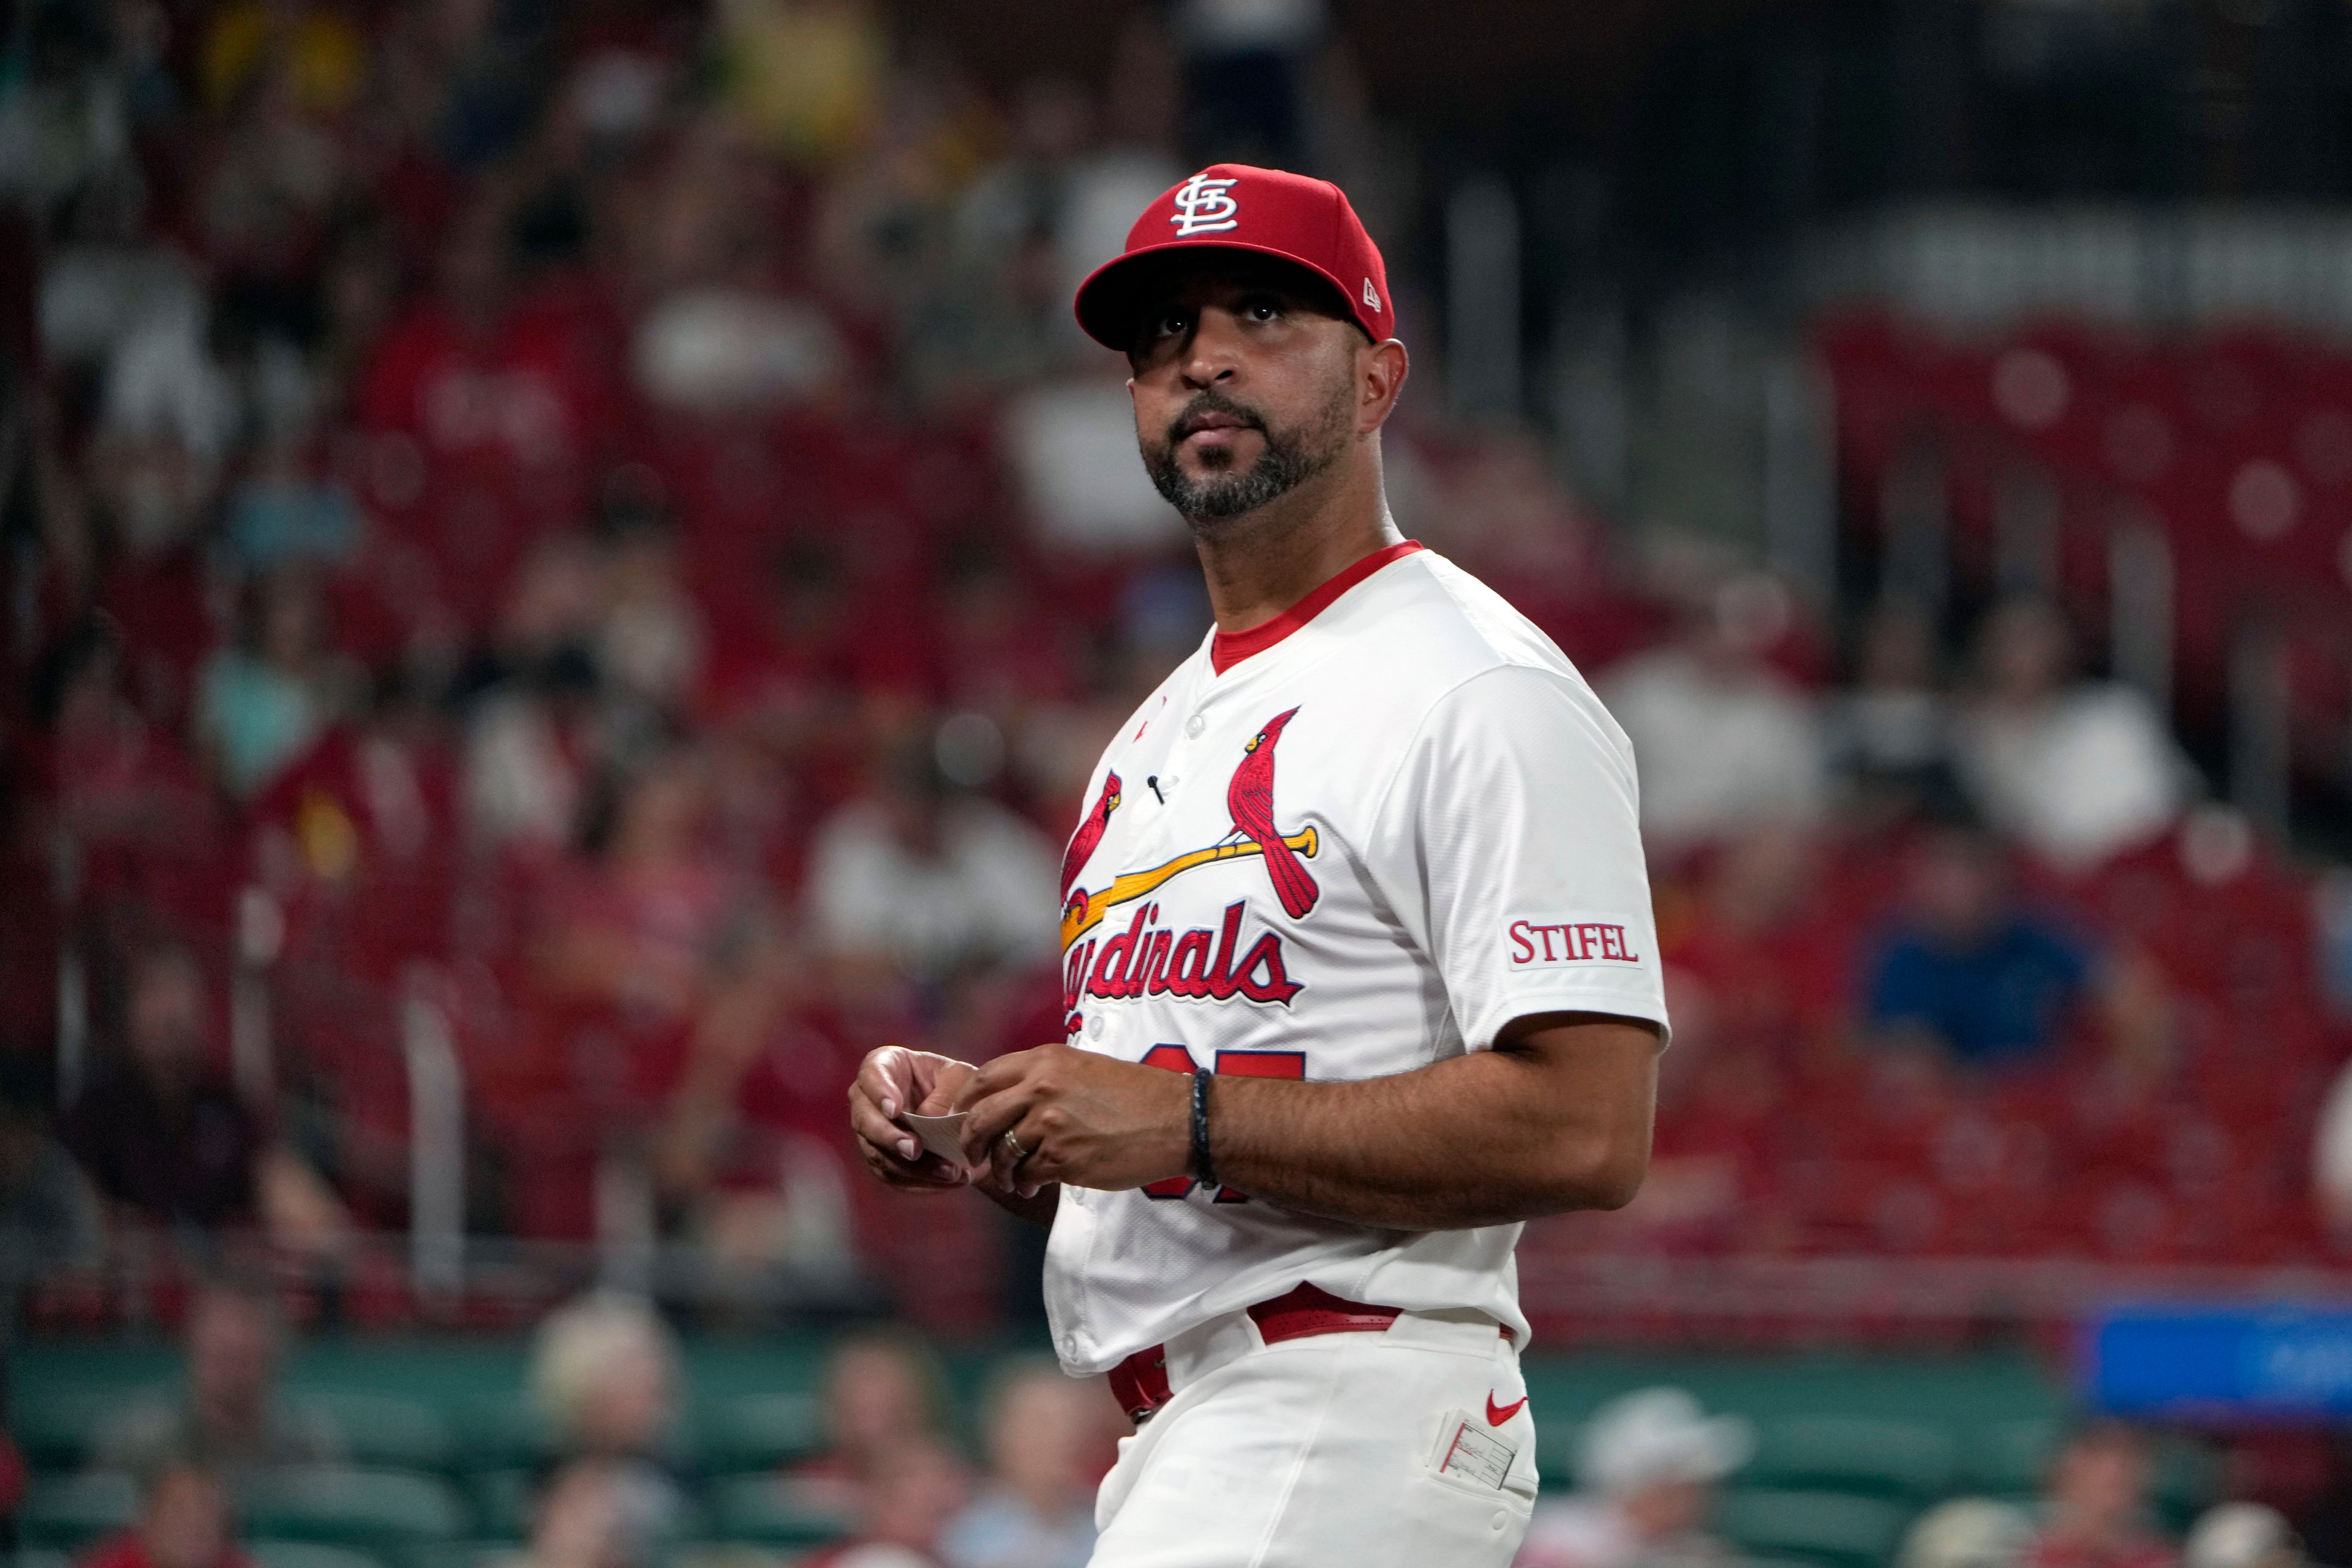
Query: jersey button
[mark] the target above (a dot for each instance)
(1194, 725)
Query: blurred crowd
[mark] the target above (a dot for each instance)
(883, 1480)
(593, 518)
(615, 1468)
(595, 521)
(1652, 1466)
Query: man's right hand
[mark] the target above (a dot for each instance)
(895, 1081)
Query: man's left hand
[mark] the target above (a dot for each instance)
(1077, 1118)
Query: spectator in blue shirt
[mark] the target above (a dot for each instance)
(1968, 969)
(1049, 1437)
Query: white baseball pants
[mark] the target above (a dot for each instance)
(1333, 1451)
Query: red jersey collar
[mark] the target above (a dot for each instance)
(1229, 648)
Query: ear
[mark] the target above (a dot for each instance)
(1380, 371)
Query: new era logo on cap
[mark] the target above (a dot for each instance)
(1233, 207)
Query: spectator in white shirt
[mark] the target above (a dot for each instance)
(2076, 770)
(930, 880)
(1724, 741)
(1647, 1466)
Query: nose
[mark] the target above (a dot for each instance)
(1213, 355)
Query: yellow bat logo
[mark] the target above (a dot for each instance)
(1085, 911)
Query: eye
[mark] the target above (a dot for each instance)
(1262, 308)
(1170, 323)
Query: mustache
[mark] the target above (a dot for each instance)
(1195, 414)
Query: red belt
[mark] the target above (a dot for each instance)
(1141, 1381)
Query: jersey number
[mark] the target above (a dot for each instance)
(1231, 1064)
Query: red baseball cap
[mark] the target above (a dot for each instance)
(1233, 206)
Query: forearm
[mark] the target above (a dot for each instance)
(1483, 1139)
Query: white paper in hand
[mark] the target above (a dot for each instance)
(942, 1135)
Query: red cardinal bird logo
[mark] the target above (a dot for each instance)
(1250, 798)
(1090, 834)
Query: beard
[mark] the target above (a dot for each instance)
(1291, 457)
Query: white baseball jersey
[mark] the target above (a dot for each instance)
(1394, 821)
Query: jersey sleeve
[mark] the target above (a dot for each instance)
(1508, 844)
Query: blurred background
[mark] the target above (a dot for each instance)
(564, 566)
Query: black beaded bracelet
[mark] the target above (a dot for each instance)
(1204, 1170)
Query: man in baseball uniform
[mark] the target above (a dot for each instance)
(1358, 965)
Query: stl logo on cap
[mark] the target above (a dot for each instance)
(1204, 206)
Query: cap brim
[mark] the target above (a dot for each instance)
(1106, 302)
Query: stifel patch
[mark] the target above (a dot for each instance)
(1564, 941)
